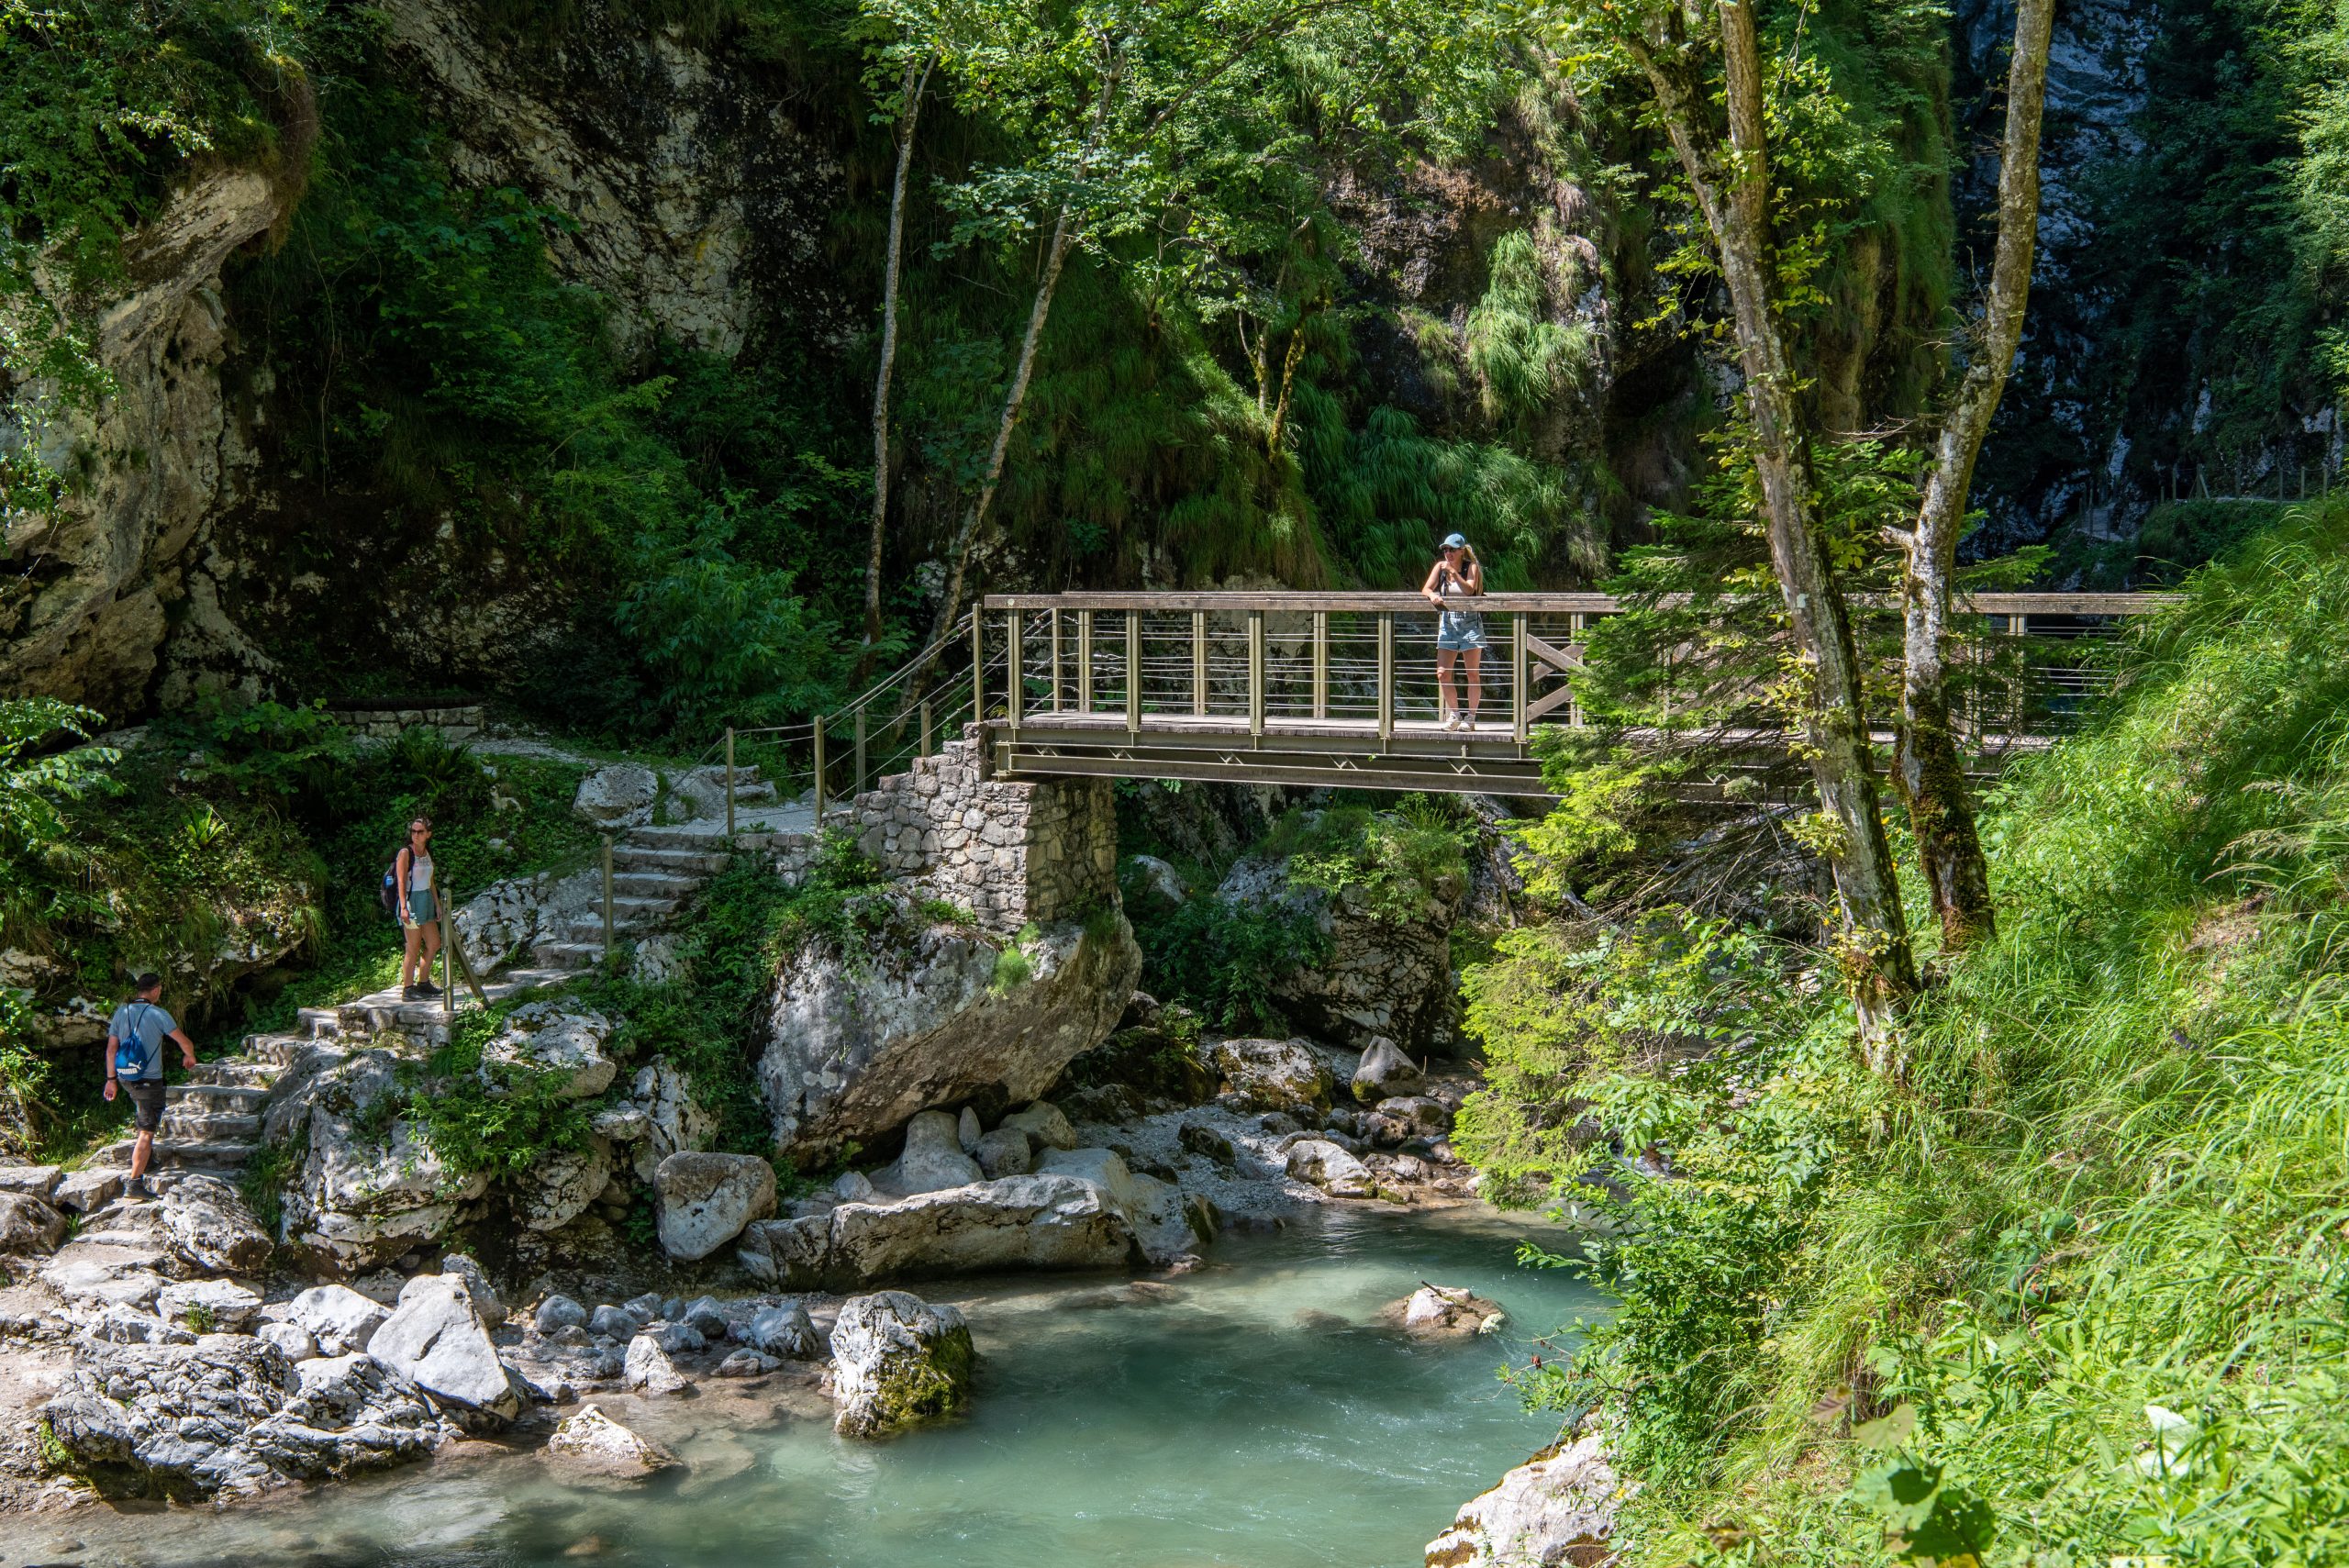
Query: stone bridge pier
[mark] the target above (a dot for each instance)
(1010, 852)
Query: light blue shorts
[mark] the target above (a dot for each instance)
(1457, 631)
(422, 907)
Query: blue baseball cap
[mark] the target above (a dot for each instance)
(1456, 541)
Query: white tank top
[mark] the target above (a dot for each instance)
(420, 873)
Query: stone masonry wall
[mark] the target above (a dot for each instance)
(1010, 852)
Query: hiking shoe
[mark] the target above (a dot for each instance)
(428, 989)
(138, 1187)
(1451, 721)
(408, 993)
(1467, 722)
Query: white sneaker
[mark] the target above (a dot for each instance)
(1467, 721)
(1451, 721)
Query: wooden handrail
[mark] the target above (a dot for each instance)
(1307, 602)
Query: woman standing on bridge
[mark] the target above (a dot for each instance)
(1460, 631)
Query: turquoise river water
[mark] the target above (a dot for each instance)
(1253, 1412)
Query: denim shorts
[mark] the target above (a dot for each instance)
(1456, 631)
(422, 907)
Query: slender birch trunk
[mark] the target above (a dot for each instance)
(1926, 765)
(1733, 188)
(909, 114)
(1015, 396)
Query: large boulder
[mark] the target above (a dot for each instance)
(1557, 1508)
(1385, 1071)
(897, 1361)
(207, 1224)
(860, 1041)
(705, 1199)
(230, 1414)
(436, 1339)
(660, 1117)
(34, 1181)
(932, 1160)
(513, 916)
(29, 1225)
(618, 795)
(1017, 1222)
(1382, 977)
(565, 1048)
(1272, 1075)
(367, 1191)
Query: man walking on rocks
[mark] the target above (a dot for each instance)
(135, 1060)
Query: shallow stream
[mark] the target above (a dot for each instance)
(1253, 1414)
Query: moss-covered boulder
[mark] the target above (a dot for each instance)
(897, 1361)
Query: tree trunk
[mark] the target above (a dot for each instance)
(1927, 767)
(1734, 194)
(1016, 395)
(910, 113)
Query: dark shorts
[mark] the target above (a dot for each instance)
(146, 1102)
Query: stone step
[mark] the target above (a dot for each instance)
(215, 1096)
(210, 1127)
(704, 837)
(236, 1072)
(568, 958)
(179, 1154)
(320, 1023)
(652, 884)
(668, 860)
(278, 1050)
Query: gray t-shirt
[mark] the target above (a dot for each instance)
(149, 1026)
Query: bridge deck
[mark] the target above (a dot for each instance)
(1341, 689)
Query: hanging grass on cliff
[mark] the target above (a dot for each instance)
(2075, 1288)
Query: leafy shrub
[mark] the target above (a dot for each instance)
(481, 1115)
(277, 752)
(1395, 863)
(1223, 959)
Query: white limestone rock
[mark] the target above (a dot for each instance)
(648, 1370)
(546, 1038)
(1331, 1168)
(932, 1160)
(1272, 1075)
(618, 795)
(436, 1339)
(338, 1318)
(29, 1225)
(209, 1306)
(1017, 1222)
(705, 1200)
(589, 1442)
(1560, 1507)
(207, 1223)
(1044, 1125)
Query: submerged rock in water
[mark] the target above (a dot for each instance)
(1558, 1508)
(1438, 1311)
(592, 1441)
(897, 1361)
(862, 1041)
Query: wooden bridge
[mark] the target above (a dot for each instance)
(1340, 689)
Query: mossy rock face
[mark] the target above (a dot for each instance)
(897, 1361)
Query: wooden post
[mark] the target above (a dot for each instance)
(856, 774)
(819, 772)
(608, 898)
(978, 667)
(1321, 663)
(1133, 672)
(1084, 661)
(1517, 666)
(448, 959)
(925, 726)
(729, 786)
(1015, 699)
(1386, 676)
(1056, 661)
(1198, 664)
(1256, 674)
(1573, 706)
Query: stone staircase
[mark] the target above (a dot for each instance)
(655, 870)
(212, 1115)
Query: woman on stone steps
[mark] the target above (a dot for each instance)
(419, 910)
(1460, 631)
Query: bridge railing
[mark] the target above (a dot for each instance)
(1306, 662)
